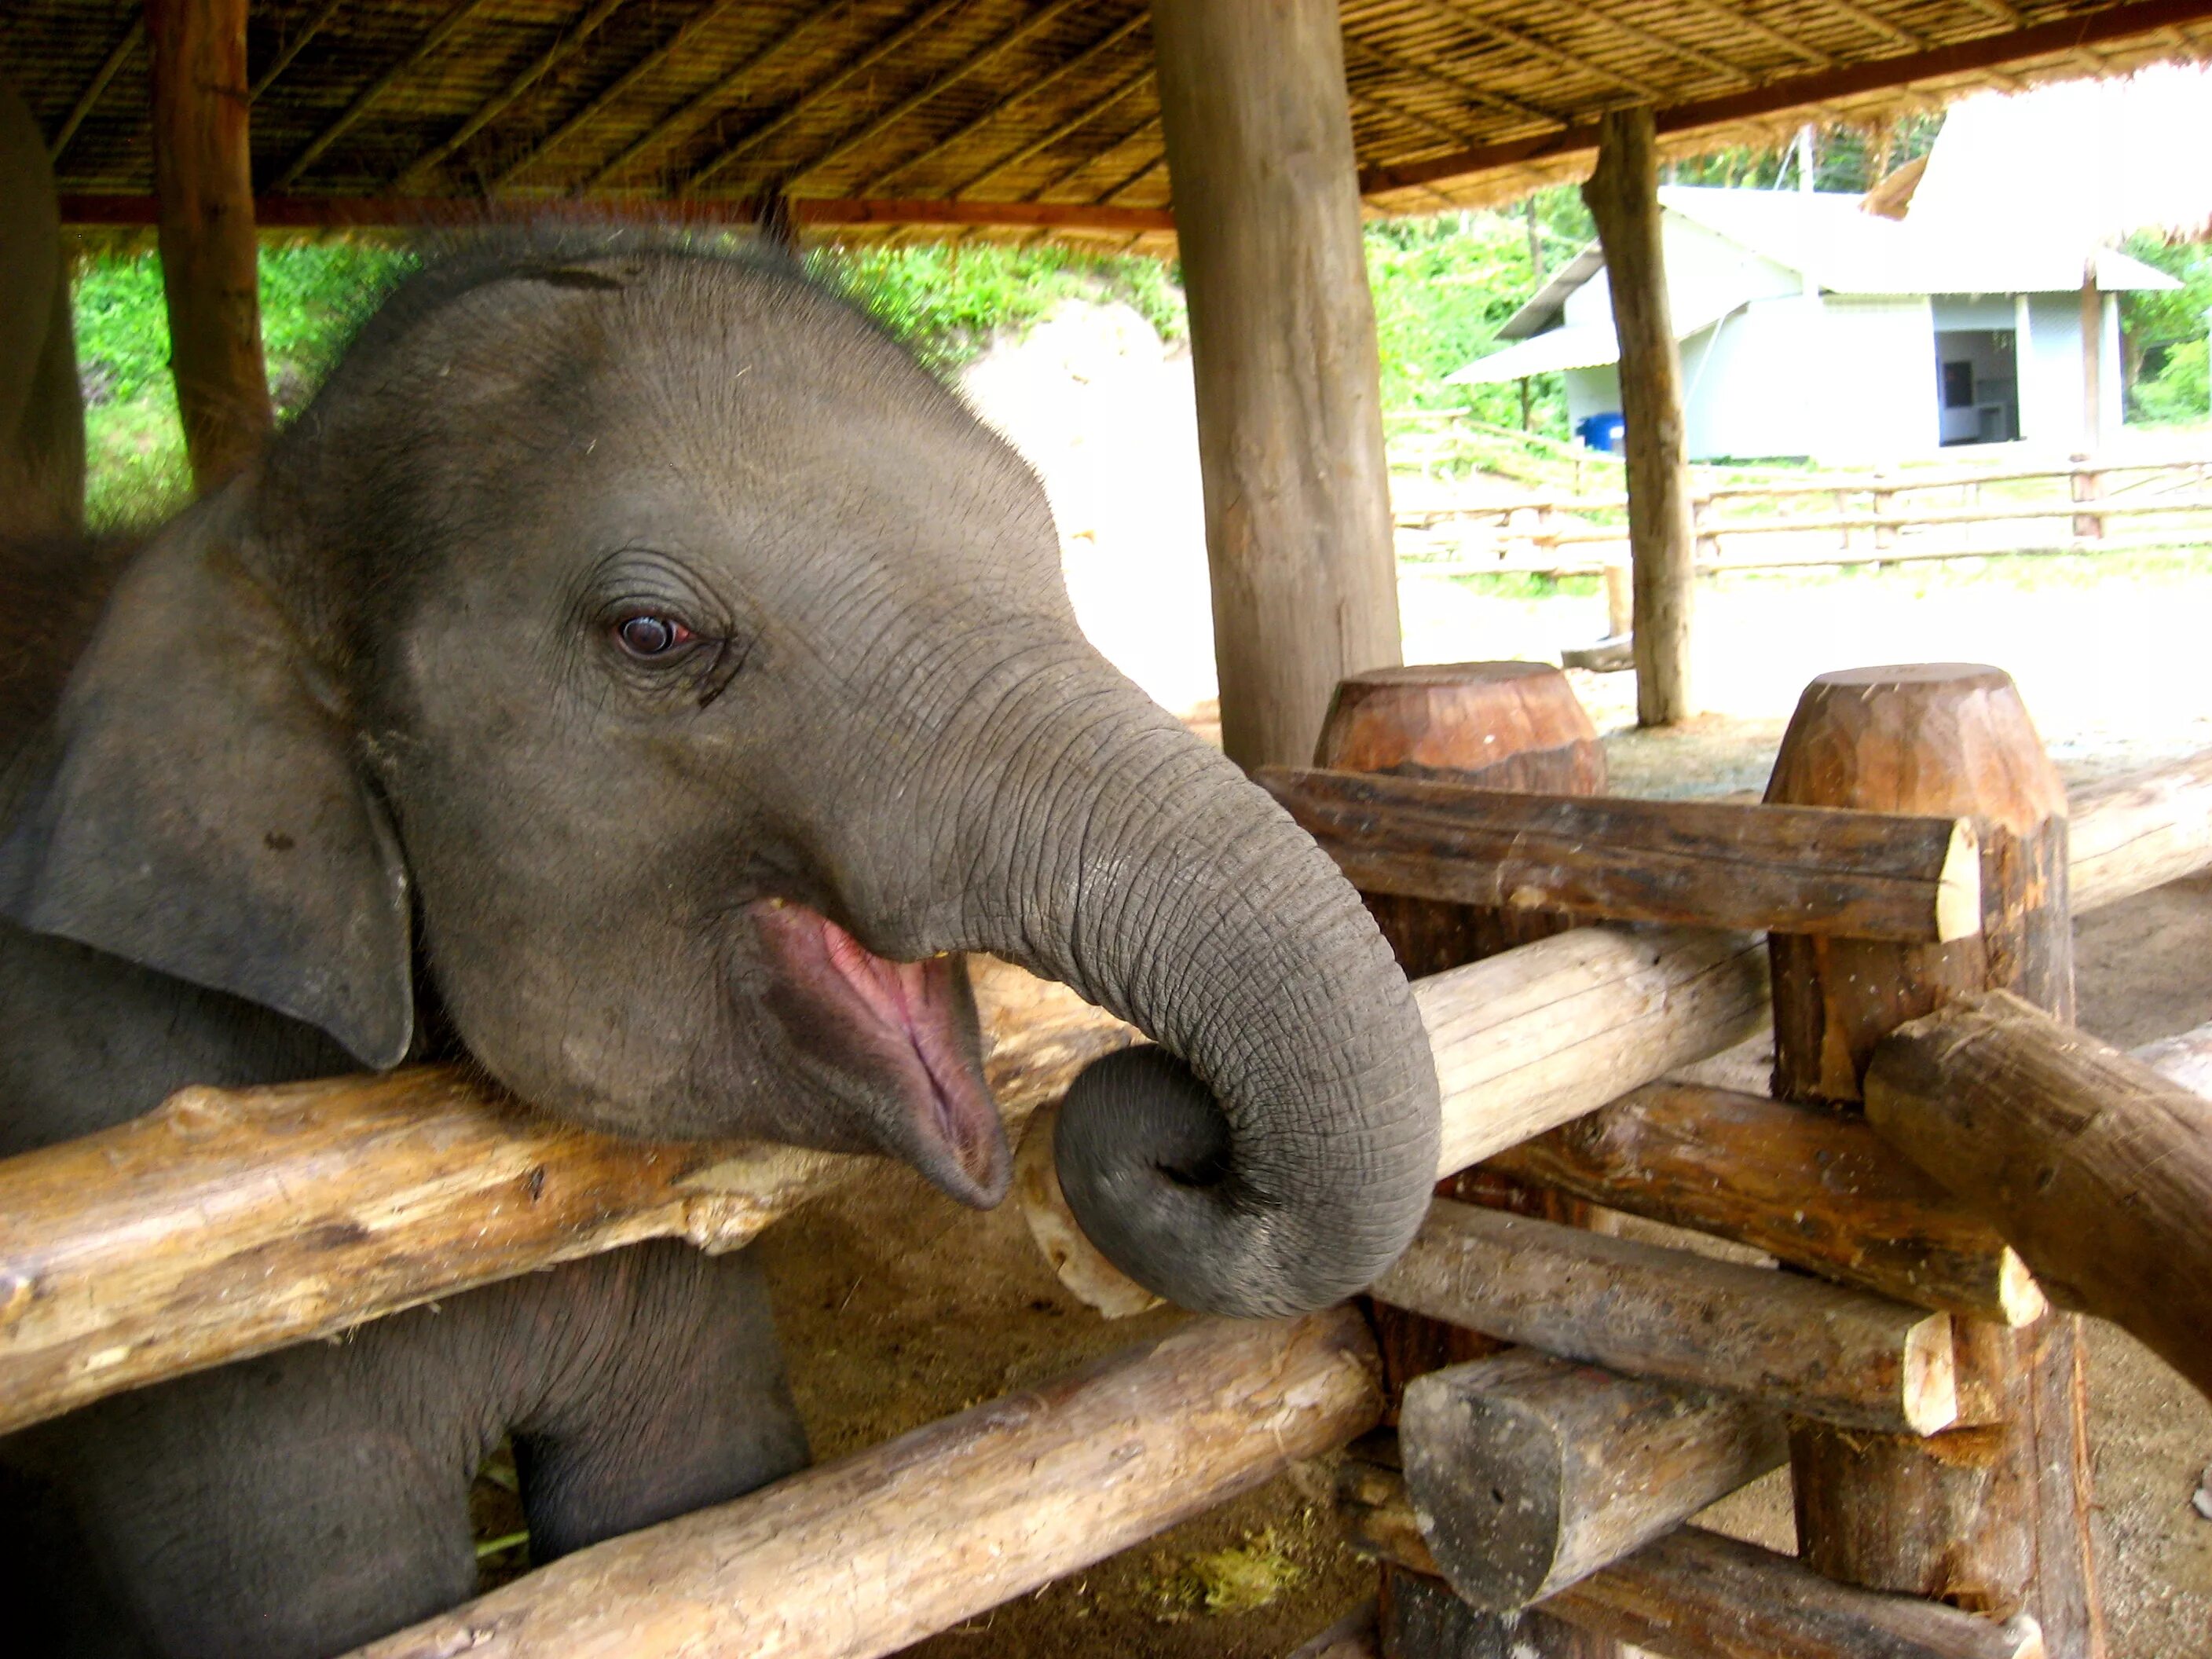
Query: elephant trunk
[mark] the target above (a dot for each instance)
(1276, 1151)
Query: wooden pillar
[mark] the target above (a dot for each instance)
(1290, 427)
(1992, 1516)
(2093, 361)
(1514, 726)
(1623, 196)
(202, 179)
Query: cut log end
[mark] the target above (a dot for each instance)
(1959, 888)
(1081, 1267)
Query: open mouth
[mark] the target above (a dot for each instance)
(901, 1033)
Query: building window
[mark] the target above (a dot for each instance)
(1957, 385)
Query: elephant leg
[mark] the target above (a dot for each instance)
(289, 1507)
(681, 1401)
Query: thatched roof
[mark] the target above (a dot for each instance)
(1017, 112)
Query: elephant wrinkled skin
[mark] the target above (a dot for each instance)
(635, 673)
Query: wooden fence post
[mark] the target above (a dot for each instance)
(1992, 1516)
(203, 177)
(2086, 484)
(1297, 494)
(1623, 195)
(1514, 726)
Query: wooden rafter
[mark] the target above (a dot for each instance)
(1650, 42)
(1157, 164)
(686, 33)
(921, 23)
(1147, 128)
(1736, 18)
(131, 38)
(1875, 23)
(1389, 105)
(982, 58)
(1083, 117)
(439, 32)
(1457, 86)
(1081, 60)
(294, 44)
(1463, 17)
(1982, 55)
(702, 105)
(491, 110)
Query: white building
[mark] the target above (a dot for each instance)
(1810, 326)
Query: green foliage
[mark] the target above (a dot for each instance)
(947, 301)
(1844, 158)
(2165, 333)
(1444, 285)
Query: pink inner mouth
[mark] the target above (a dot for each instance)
(907, 1024)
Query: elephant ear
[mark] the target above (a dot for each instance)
(196, 807)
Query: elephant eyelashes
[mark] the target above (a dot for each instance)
(649, 637)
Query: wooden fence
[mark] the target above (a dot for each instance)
(1784, 519)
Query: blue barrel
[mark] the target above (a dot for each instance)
(1603, 432)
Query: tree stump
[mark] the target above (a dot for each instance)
(1991, 1517)
(1511, 726)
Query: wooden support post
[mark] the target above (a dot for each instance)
(2086, 484)
(1703, 864)
(880, 1549)
(1843, 1356)
(1691, 1594)
(1623, 195)
(2096, 1166)
(1813, 1188)
(1529, 1474)
(1504, 726)
(1992, 1517)
(203, 177)
(2092, 359)
(1298, 498)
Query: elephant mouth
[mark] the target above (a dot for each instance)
(899, 1039)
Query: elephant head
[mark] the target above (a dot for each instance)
(640, 647)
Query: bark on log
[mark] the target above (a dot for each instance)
(2141, 831)
(228, 1223)
(863, 1556)
(2097, 1168)
(202, 179)
(1994, 1516)
(1703, 864)
(1814, 1188)
(1529, 1474)
(1623, 196)
(1841, 1355)
(1258, 131)
(1697, 1594)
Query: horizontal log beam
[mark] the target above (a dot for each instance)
(2109, 27)
(1697, 1594)
(1529, 1474)
(1815, 1188)
(2096, 1167)
(1841, 1356)
(868, 1554)
(424, 212)
(1705, 864)
(2141, 831)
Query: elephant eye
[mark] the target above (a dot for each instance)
(646, 636)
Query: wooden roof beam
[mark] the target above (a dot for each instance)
(95, 90)
(1105, 43)
(439, 32)
(291, 49)
(684, 34)
(1150, 128)
(921, 23)
(1468, 90)
(1386, 104)
(696, 109)
(1736, 18)
(1875, 23)
(982, 58)
(1462, 17)
(2114, 24)
(1654, 42)
(499, 103)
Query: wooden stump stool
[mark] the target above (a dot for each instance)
(1992, 1516)
(1508, 726)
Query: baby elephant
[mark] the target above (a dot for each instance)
(634, 674)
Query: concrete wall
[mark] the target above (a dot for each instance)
(2051, 373)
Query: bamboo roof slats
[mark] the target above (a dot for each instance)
(956, 107)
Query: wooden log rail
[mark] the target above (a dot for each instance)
(868, 1555)
(2096, 1167)
(257, 1218)
(1712, 863)
(1694, 1593)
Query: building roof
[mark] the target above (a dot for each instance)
(1016, 113)
(1575, 345)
